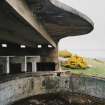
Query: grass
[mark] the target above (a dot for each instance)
(97, 68)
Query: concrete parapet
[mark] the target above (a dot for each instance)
(33, 84)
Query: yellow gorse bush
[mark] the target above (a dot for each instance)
(76, 62)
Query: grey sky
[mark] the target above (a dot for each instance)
(92, 44)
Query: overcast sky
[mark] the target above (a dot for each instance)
(92, 44)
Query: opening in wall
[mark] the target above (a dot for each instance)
(46, 66)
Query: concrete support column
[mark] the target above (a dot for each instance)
(54, 55)
(23, 67)
(34, 66)
(25, 64)
(8, 65)
(51, 55)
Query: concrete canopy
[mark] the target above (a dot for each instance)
(32, 22)
(59, 19)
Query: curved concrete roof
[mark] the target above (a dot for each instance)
(65, 7)
(33, 22)
(61, 20)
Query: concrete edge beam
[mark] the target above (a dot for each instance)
(23, 10)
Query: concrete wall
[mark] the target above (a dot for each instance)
(38, 84)
(46, 54)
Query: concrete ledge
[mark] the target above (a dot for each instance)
(34, 84)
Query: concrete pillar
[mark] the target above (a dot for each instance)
(51, 55)
(25, 64)
(34, 66)
(34, 60)
(8, 65)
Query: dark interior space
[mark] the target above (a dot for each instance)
(1, 69)
(45, 66)
(29, 67)
(15, 68)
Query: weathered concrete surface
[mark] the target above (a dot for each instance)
(13, 28)
(59, 19)
(23, 10)
(43, 23)
(30, 85)
(50, 55)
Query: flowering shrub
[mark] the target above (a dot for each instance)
(76, 62)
